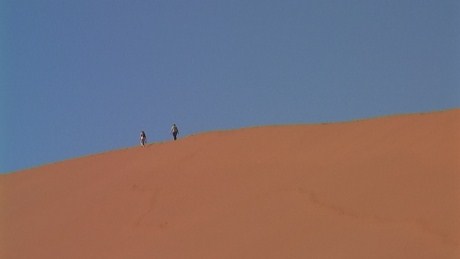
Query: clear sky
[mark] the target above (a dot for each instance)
(80, 77)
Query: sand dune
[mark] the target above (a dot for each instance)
(380, 188)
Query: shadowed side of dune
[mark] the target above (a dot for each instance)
(379, 188)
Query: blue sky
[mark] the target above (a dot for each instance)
(86, 76)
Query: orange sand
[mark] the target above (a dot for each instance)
(380, 188)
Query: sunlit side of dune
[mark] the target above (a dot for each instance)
(379, 188)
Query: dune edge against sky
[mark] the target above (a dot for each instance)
(384, 187)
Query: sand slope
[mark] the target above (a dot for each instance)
(380, 188)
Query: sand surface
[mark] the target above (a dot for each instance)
(379, 188)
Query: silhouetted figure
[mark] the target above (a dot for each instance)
(174, 131)
(143, 138)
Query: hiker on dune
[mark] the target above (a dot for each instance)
(143, 138)
(174, 131)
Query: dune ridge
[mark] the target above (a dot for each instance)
(378, 188)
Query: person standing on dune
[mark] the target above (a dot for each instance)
(174, 131)
(143, 138)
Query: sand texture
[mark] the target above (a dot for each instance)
(380, 188)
